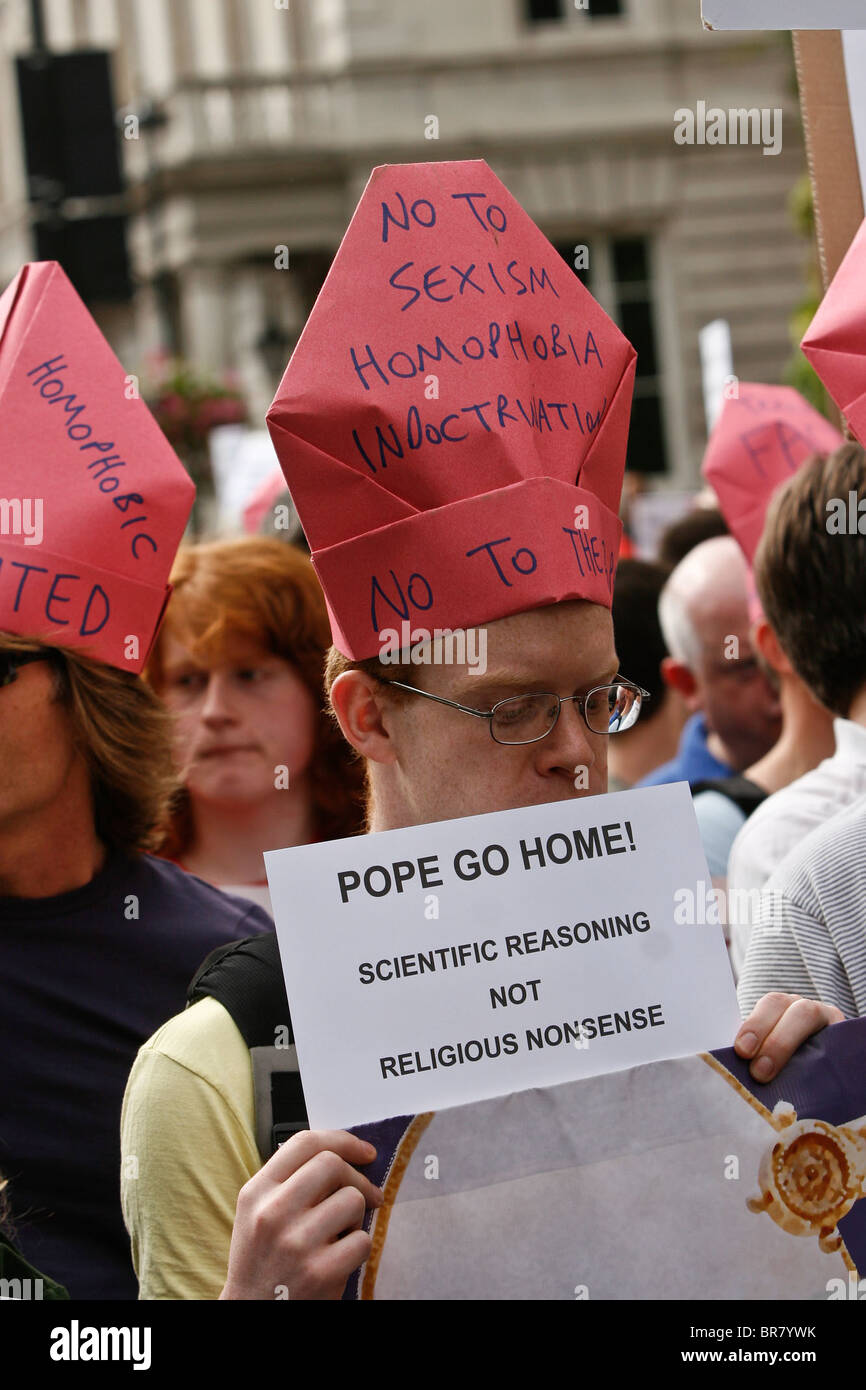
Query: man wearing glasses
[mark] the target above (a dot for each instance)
(557, 743)
(607, 709)
(495, 509)
(429, 758)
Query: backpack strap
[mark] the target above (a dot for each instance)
(246, 977)
(745, 794)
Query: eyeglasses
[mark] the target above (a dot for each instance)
(606, 709)
(11, 661)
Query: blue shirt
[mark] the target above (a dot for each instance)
(85, 979)
(693, 763)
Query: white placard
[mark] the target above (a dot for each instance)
(854, 49)
(523, 948)
(241, 459)
(717, 367)
(783, 14)
(651, 513)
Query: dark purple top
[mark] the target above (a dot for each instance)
(85, 979)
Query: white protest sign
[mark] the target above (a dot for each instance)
(651, 513)
(783, 14)
(448, 963)
(717, 367)
(241, 459)
(854, 49)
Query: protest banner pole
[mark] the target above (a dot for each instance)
(830, 151)
(830, 147)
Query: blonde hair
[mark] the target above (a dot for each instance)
(335, 664)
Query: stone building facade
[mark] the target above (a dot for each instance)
(275, 111)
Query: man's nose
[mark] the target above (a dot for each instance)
(568, 744)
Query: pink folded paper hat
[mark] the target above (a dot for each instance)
(453, 421)
(761, 437)
(835, 341)
(96, 500)
(261, 500)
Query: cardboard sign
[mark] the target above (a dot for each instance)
(783, 14)
(683, 1179)
(453, 422)
(83, 457)
(446, 963)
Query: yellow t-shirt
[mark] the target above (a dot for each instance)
(188, 1146)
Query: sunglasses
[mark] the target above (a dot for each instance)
(11, 662)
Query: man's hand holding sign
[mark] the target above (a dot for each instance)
(305, 1213)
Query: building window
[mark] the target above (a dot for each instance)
(542, 11)
(548, 11)
(619, 276)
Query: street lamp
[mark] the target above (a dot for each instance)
(273, 344)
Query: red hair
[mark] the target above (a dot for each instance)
(267, 591)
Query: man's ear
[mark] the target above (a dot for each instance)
(363, 713)
(767, 646)
(682, 679)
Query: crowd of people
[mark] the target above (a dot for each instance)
(153, 1137)
(773, 743)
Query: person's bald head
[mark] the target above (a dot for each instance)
(709, 582)
(703, 611)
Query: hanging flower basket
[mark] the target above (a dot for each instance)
(187, 404)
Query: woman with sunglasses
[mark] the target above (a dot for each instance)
(98, 942)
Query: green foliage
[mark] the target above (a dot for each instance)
(798, 371)
(802, 206)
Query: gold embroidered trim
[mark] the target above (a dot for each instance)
(407, 1147)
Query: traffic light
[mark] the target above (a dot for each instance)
(71, 151)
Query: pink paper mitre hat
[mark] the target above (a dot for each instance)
(761, 438)
(262, 499)
(835, 341)
(96, 500)
(453, 422)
